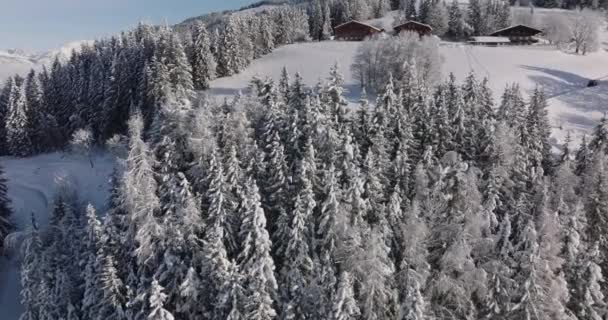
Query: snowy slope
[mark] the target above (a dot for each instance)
(32, 184)
(563, 76)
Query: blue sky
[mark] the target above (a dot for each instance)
(46, 24)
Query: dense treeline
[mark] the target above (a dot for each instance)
(284, 204)
(102, 83)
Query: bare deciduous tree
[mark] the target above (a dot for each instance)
(557, 29)
(82, 141)
(377, 59)
(584, 34)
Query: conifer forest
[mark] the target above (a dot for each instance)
(429, 200)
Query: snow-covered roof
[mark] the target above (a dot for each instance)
(361, 23)
(517, 26)
(489, 39)
(424, 25)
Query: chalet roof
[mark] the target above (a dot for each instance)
(410, 22)
(359, 23)
(489, 39)
(532, 30)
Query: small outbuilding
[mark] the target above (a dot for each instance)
(355, 31)
(414, 26)
(489, 41)
(519, 34)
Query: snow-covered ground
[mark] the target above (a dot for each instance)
(32, 185)
(563, 76)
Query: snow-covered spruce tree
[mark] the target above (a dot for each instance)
(220, 211)
(6, 223)
(457, 232)
(330, 233)
(157, 300)
(202, 60)
(345, 306)
(599, 142)
(538, 144)
(595, 186)
(438, 18)
(583, 157)
(542, 291)
(17, 123)
(475, 17)
(315, 16)
(455, 21)
(255, 261)
(326, 28)
(375, 276)
(228, 51)
(37, 112)
(31, 275)
(93, 260)
(588, 300)
(297, 263)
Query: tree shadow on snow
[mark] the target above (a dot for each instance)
(571, 89)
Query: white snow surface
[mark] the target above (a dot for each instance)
(563, 76)
(32, 185)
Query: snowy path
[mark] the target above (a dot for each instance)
(32, 184)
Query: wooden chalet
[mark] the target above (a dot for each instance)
(414, 26)
(355, 31)
(519, 34)
(489, 41)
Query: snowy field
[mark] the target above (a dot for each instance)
(563, 76)
(32, 185)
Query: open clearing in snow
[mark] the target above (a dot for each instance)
(563, 76)
(32, 184)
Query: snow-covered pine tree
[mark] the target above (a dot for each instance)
(345, 305)
(157, 300)
(255, 261)
(220, 214)
(455, 21)
(36, 112)
(457, 232)
(93, 261)
(326, 28)
(542, 289)
(228, 51)
(31, 275)
(588, 300)
(475, 17)
(583, 157)
(316, 19)
(438, 18)
(6, 223)
(539, 130)
(297, 267)
(203, 61)
(18, 124)
(599, 142)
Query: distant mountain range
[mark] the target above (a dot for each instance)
(16, 61)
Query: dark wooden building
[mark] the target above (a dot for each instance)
(414, 26)
(519, 34)
(355, 31)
